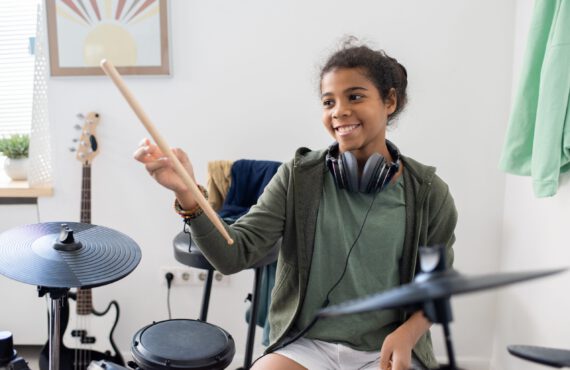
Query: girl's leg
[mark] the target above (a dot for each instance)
(299, 355)
(275, 361)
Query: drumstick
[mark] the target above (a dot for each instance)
(178, 168)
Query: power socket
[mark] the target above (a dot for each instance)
(182, 275)
(218, 280)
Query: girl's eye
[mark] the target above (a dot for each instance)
(328, 103)
(355, 97)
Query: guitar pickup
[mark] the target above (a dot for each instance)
(83, 335)
(78, 333)
(88, 340)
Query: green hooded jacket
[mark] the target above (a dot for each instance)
(288, 209)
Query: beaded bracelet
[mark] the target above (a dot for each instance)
(191, 214)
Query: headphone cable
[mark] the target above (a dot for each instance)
(327, 301)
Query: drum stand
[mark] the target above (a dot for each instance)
(433, 265)
(56, 297)
(439, 311)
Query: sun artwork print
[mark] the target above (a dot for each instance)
(126, 32)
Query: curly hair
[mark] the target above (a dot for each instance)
(383, 71)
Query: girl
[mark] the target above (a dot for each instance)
(351, 217)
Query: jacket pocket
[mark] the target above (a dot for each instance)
(282, 274)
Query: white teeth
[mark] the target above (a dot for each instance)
(344, 129)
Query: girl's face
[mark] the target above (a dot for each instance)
(354, 112)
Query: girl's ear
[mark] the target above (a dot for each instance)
(391, 101)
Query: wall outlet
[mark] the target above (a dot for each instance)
(185, 276)
(218, 280)
(182, 275)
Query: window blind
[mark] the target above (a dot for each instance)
(17, 29)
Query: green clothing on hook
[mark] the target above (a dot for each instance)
(538, 136)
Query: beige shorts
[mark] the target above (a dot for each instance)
(318, 355)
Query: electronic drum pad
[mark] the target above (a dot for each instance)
(67, 255)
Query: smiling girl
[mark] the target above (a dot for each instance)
(351, 218)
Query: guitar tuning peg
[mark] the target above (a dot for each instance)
(80, 115)
(72, 150)
(77, 126)
(75, 140)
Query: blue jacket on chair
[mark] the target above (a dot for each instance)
(248, 180)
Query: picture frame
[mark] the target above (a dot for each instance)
(132, 34)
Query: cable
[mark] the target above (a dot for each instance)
(169, 276)
(326, 302)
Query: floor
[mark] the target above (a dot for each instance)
(31, 355)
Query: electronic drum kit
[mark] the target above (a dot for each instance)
(59, 256)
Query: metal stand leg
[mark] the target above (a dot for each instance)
(449, 346)
(54, 328)
(206, 296)
(56, 296)
(252, 320)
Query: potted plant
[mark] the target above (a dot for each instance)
(15, 149)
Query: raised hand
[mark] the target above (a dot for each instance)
(161, 169)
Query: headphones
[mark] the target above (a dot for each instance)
(376, 174)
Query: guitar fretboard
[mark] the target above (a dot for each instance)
(86, 195)
(84, 297)
(84, 302)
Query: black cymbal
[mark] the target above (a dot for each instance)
(546, 356)
(428, 287)
(75, 255)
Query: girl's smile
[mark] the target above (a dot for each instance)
(347, 129)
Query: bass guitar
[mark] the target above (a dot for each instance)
(86, 335)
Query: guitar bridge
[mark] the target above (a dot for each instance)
(88, 340)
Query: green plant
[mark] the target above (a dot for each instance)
(15, 146)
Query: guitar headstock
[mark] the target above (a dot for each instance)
(87, 147)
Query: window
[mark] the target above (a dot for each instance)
(17, 39)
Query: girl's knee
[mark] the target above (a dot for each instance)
(275, 361)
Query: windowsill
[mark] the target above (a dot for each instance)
(21, 189)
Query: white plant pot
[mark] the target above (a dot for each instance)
(16, 169)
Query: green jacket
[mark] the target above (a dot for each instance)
(288, 209)
(537, 142)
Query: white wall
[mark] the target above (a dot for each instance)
(20, 302)
(244, 85)
(534, 237)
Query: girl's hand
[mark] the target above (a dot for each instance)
(162, 170)
(396, 351)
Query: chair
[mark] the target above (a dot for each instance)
(187, 253)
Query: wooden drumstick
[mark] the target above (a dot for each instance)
(178, 168)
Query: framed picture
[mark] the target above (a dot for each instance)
(132, 34)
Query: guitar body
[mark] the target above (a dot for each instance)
(76, 352)
(86, 334)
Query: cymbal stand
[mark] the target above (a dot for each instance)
(56, 297)
(432, 262)
(439, 311)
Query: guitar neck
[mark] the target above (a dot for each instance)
(84, 296)
(86, 195)
(84, 302)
